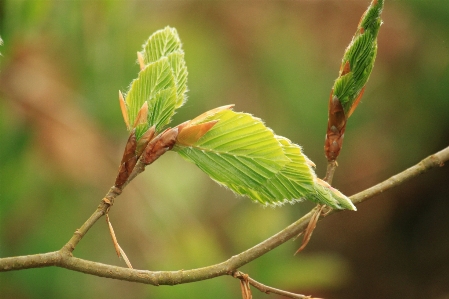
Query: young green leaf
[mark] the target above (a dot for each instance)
(359, 57)
(297, 180)
(179, 68)
(166, 43)
(154, 85)
(160, 44)
(161, 83)
(240, 152)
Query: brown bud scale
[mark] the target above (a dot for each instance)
(159, 145)
(335, 129)
(130, 148)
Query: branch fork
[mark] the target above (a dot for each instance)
(63, 257)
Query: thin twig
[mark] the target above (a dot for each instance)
(104, 205)
(266, 289)
(79, 233)
(331, 167)
(225, 268)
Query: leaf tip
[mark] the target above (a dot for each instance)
(340, 200)
(140, 60)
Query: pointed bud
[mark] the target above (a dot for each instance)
(357, 64)
(142, 115)
(123, 108)
(141, 60)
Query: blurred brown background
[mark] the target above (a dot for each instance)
(62, 135)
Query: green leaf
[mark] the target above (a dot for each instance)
(162, 108)
(358, 59)
(166, 43)
(180, 73)
(161, 44)
(326, 194)
(153, 79)
(239, 150)
(241, 153)
(296, 181)
(162, 82)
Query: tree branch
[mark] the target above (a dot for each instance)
(30, 261)
(436, 160)
(102, 208)
(64, 259)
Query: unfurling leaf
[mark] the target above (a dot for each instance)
(235, 149)
(241, 153)
(161, 84)
(357, 64)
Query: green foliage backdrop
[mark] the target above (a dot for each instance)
(61, 137)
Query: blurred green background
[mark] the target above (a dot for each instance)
(62, 135)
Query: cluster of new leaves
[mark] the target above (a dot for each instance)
(235, 149)
(161, 84)
(152, 99)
